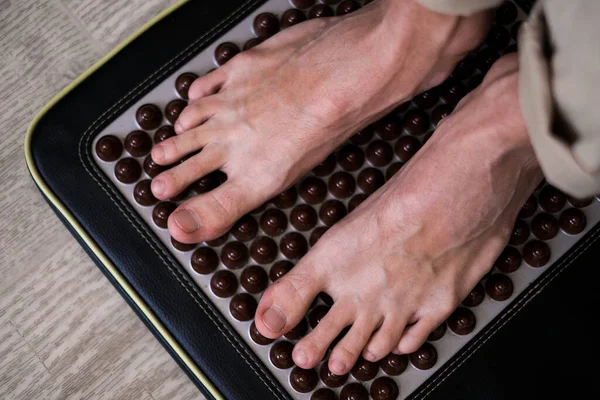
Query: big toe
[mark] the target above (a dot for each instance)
(286, 302)
(209, 215)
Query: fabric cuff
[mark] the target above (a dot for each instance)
(555, 154)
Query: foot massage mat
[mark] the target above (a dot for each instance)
(235, 269)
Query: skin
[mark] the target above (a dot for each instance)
(400, 263)
(294, 99)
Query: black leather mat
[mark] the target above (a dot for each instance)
(540, 347)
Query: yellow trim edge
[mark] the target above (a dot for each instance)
(79, 229)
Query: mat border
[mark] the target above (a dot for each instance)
(79, 230)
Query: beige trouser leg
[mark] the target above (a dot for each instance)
(559, 52)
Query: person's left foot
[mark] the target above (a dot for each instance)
(399, 264)
(270, 114)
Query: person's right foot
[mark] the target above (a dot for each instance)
(401, 262)
(272, 113)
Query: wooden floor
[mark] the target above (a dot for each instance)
(65, 333)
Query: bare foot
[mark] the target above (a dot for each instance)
(399, 264)
(272, 113)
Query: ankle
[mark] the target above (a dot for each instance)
(409, 22)
(417, 36)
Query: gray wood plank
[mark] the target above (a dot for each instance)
(65, 333)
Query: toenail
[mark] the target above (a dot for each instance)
(178, 127)
(369, 356)
(158, 152)
(338, 367)
(274, 319)
(186, 220)
(158, 187)
(300, 357)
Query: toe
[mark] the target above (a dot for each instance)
(415, 335)
(196, 113)
(175, 180)
(503, 66)
(347, 351)
(286, 301)
(209, 215)
(385, 339)
(309, 351)
(175, 148)
(207, 84)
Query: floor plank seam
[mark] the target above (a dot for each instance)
(101, 48)
(29, 346)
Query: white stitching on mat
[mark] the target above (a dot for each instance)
(508, 314)
(144, 233)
